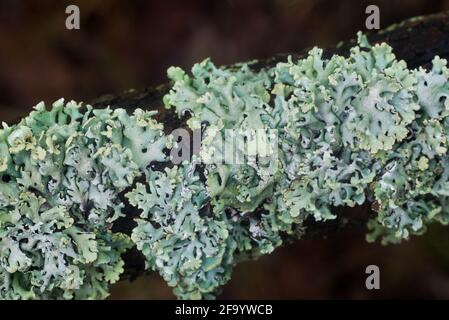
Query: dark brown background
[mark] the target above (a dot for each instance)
(130, 44)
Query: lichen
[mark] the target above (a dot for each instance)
(62, 173)
(192, 252)
(280, 146)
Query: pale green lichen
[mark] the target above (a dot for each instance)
(62, 173)
(335, 132)
(191, 251)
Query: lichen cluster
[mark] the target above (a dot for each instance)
(347, 130)
(62, 172)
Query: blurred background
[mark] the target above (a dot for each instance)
(130, 44)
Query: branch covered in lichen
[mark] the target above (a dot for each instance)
(347, 131)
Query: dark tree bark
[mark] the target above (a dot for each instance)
(416, 41)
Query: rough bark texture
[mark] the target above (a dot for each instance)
(416, 41)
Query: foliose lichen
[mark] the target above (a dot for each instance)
(333, 132)
(62, 171)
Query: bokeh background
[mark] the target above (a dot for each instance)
(130, 44)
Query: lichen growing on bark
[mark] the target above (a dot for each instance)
(331, 132)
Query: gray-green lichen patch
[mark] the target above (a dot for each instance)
(350, 130)
(346, 131)
(62, 171)
(192, 252)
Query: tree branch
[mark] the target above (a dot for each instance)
(416, 41)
